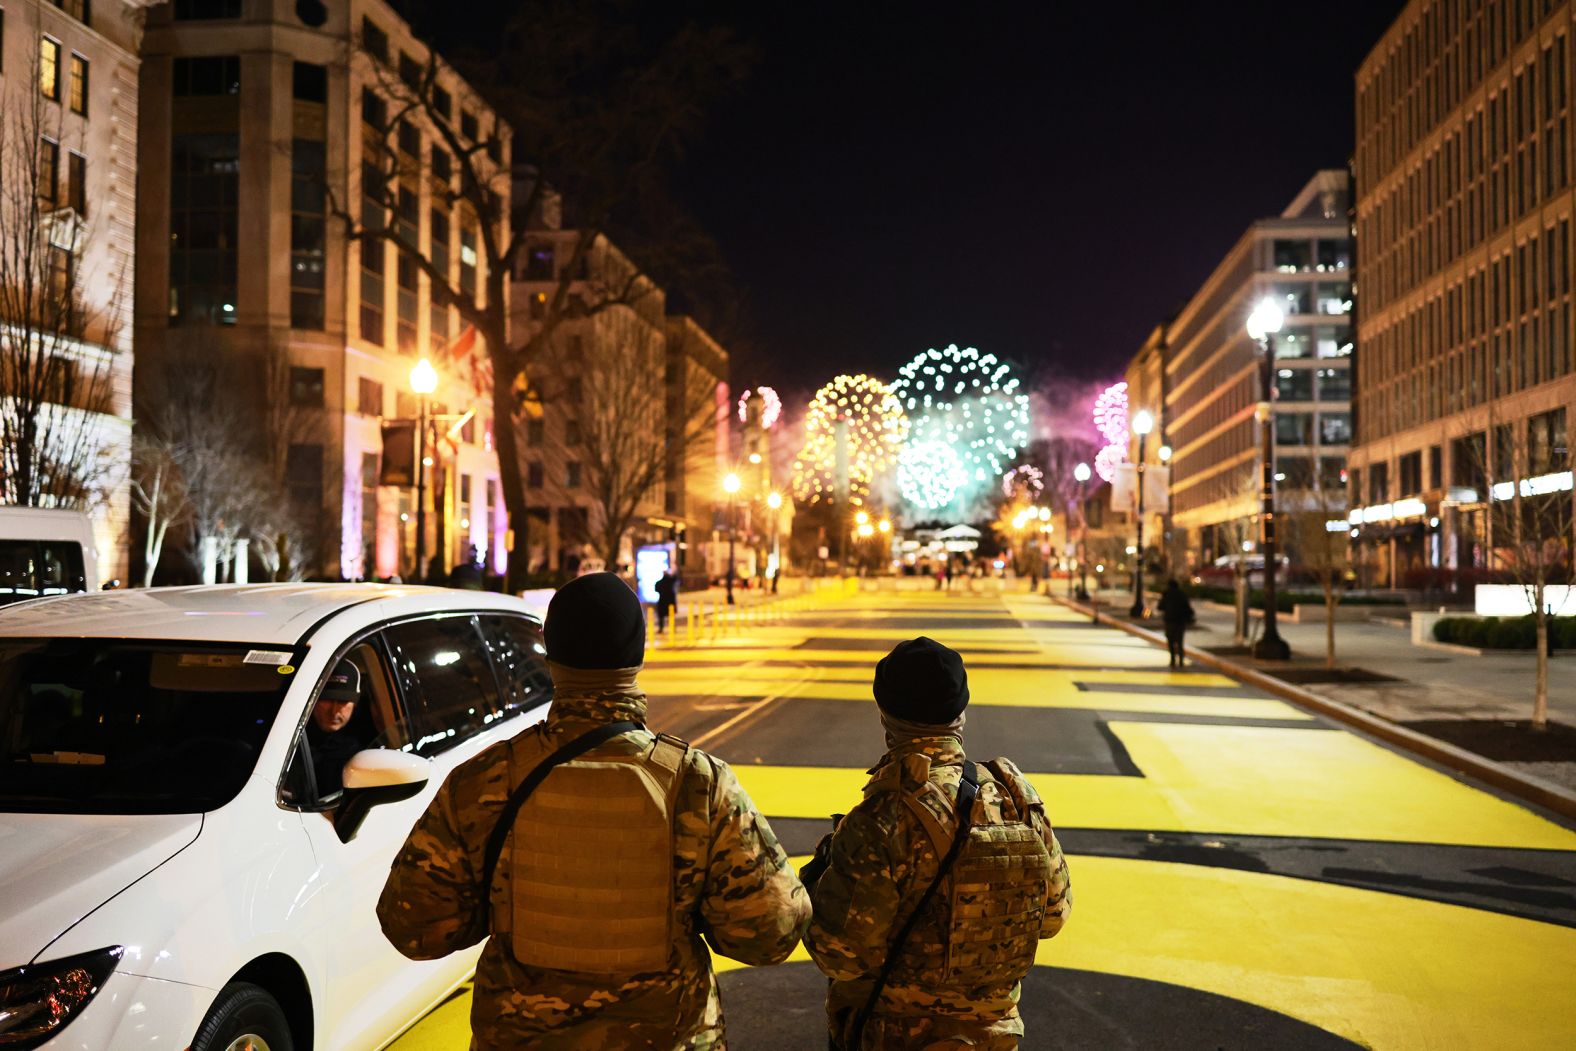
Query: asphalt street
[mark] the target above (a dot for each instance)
(1245, 874)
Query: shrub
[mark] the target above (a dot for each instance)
(1504, 633)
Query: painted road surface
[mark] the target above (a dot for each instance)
(1245, 875)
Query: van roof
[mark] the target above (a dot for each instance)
(269, 613)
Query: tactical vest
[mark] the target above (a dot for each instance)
(591, 861)
(993, 901)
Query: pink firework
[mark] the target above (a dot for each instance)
(1107, 459)
(771, 408)
(1110, 413)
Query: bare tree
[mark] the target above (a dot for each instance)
(55, 346)
(587, 108)
(1313, 514)
(1528, 520)
(158, 494)
(628, 428)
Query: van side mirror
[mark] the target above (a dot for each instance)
(375, 776)
(112, 585)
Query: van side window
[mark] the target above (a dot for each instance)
(29, 568)
(448, 684)
(520, 659)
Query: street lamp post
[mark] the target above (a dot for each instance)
(1263, 324)
(731, 485)
(1081, 474)
(1164, 452)
(423, 381)
(1143, 423)
(774, 500)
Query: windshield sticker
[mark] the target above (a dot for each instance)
(208, 660)
(286, 669)
(274, 657)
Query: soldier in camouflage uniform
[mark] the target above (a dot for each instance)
(870, 875)
(732, 885)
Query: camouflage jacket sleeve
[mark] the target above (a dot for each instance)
(754, 908)
(431, 905)
(858, 897)
(1058, 897)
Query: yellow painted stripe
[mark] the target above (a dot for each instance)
(1417, 806)
(1382, 970)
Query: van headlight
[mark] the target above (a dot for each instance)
(39, 1000)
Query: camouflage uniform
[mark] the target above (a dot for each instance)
(880, 863)
(733, 885)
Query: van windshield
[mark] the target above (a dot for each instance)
(110, 726)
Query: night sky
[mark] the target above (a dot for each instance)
(1043, 180)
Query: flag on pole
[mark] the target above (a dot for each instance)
(463, 349)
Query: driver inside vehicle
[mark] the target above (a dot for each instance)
(329, 733)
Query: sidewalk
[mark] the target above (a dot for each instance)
(1423, 688)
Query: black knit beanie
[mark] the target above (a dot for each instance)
(595, 621)
(922, 681)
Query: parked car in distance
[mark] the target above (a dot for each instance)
(1223, 571)
(175, 876)
(44, 551)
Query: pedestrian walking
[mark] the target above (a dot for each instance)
(1177, 613)
(667, 589)
(594, 877)
(932, 894)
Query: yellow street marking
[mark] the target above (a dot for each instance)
(1379, 969)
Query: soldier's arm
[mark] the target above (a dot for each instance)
(754, 909)
(431, 905)
(857, 898)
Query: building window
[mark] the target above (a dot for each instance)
(1548, 449)
(310, 82)
(1293, 428)
(1435, 467)
(204, 188)
(81, 10)
(202, 77)
(48, 175)
(206, 10)
(49, 68)
(539, 263)
(369, 397)
(1292, 256)
(1335, 385)
(1334, 255)
(374, 110)
(1335, 428)
(306, 387)
(1332, 342)
(535, 433)
(77, 94)
(572, 432)
(409, 139)
(468, 126)
(1378, 483)
(405, 271)
(574, 390)
(1294, 384)
(1334, 299)
(308, 232)
(1410, 474)
(374, 41)
(442, 166)
(1294, 472)
(468, 259)
(373, 290)
(409, 70)
(442, 103)
(572, 475)
(533, 475)
(538, 306)
(77, 184)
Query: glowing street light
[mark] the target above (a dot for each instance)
(861, 518)
(774, 500)
(730, 485)
(885, 525)
(1263, 324)
(423, 381)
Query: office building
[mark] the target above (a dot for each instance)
(1465, 383)
(265, 124)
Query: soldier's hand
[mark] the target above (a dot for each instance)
(818, 864)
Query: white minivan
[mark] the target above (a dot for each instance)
(171, 875)
(44, 551)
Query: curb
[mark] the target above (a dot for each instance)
(1522, 786)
